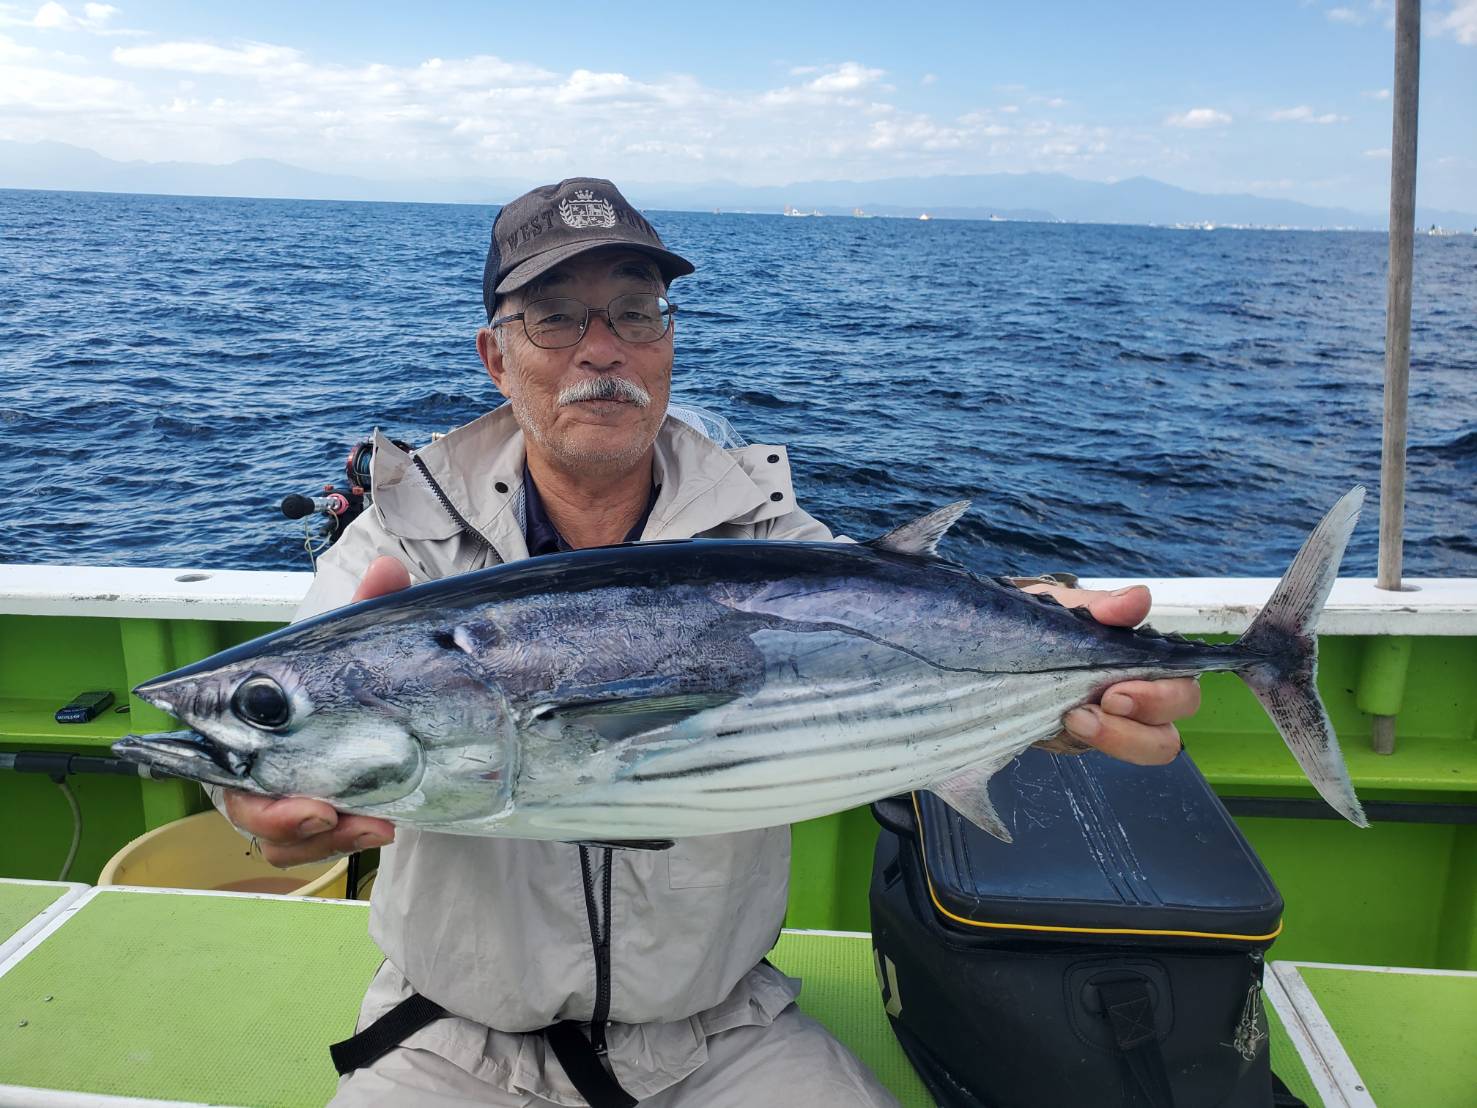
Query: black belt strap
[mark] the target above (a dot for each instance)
(582, 1066)
(1130, 1010)
(385, 1033)
(568, 1042)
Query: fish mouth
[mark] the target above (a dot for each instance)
(191, 755)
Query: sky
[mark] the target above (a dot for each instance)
(1288, 99)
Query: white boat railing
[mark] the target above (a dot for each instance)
(1190, 605)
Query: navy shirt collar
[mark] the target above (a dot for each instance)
(543, 537)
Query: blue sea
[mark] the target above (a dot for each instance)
(1115, 400)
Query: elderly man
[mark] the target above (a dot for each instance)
(534, 973)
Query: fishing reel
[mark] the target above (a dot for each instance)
(338, 507)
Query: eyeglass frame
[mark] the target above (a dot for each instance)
(585, 326)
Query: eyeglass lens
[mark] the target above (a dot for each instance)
(561, 321)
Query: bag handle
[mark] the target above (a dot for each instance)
(1129, 1008)
(895, 813)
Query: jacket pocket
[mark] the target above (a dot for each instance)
(712, 861)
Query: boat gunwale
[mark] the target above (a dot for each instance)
(1439, 606)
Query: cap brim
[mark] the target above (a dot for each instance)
(672, 265)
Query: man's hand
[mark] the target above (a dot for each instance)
(293, 829)
(1135, 720)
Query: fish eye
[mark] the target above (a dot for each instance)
(261, 702)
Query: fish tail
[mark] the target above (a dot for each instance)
(1284, 678)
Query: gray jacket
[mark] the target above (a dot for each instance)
(497, 930)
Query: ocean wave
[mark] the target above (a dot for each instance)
(1114, 400)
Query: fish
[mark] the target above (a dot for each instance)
(646, 692)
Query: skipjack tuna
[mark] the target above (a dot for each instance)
(645, 692)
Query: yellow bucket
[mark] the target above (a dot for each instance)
(204, 851)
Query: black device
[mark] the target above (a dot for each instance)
(84, 706)
(1111, 955)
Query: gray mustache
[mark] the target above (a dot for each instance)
(606, 388)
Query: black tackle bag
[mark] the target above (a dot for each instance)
(1110, 956)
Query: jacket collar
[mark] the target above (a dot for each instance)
(479, 467)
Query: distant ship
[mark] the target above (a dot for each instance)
(925, 215)
(796, 212)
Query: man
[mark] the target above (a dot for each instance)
(654, 958)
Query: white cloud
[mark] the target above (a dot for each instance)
(1346, 15)
(253, 59)
(1198, 117)
(51, 16)
(1304, 114)
(35, 89)
(12, 51)
(492, 117)
(1378, 152)
(1056, 102)
(846, 77)
(928, 79)
(95, 18)
(1378, 94)
(1460, 22)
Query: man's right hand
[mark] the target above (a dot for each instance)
(293, 830)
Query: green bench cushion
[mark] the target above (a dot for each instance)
(23, 901)
(1288, 1064)
(211, 999)
(234, 999)
(1410, 1035)
(841, 991)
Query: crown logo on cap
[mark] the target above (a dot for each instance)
(585, 210)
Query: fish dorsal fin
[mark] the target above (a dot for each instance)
(921, 536)
(968, 793)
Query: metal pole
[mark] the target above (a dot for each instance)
(1397, 312)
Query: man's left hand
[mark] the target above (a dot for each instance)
(1135, 719)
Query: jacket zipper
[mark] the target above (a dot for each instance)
(600, 940)
(446, 503)
(599, 919)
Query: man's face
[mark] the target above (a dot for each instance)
(578, 435)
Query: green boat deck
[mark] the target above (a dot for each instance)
(1402, 893)
(1393, 1036)
(232, 999)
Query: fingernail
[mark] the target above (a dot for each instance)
(1082, 723)
(313, 825)
(1123, 591)
(1118, 704)
(369, 840)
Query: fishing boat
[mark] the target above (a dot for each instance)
(1401, 894)
(141, 995)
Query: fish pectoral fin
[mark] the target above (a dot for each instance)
(921, 537)
(626, 844)
(968, 793)
(616, 717)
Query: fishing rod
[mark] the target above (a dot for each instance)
(59, 767)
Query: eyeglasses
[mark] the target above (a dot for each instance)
(634, 317)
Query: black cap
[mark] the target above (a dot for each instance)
(553, 223)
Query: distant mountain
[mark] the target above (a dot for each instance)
(58, 165)
(1034, 196)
